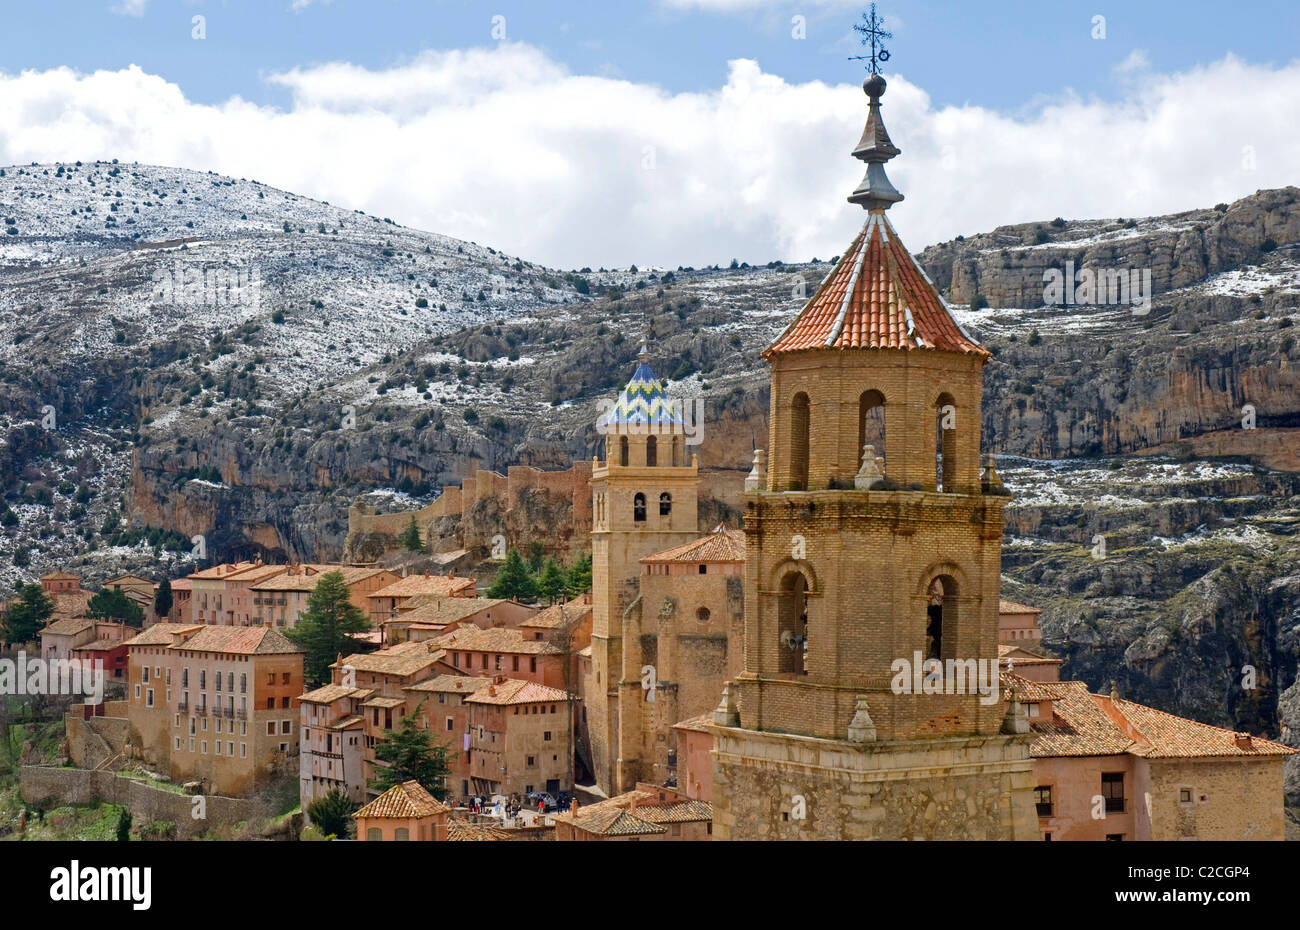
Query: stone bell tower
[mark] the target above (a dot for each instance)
(873, 547)
(644, 500)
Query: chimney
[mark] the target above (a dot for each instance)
(492, 690)
(268, 624)
(633, 807)
(573, 806)
(1243, 741)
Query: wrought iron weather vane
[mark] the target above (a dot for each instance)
(873, 35)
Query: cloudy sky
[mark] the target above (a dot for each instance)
(668, 132)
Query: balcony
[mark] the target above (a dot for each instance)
(241, 714)
(183, 707)
(229, 712)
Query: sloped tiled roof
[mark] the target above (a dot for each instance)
(61, 576)
(722, 545)
(460, 832)
(876, 297)
(403, 801)
(500, 639)
(1011, 607)
(604, 819)
(515, 691)
(387, 662)
(240, 640)
(161, 634)
(558, 615)
(444, 610)
(306, 577)
(699, 723)
(328, 694)
(69, 627)
(1166, 736)
(456, 684)
(425, 584)
(103, 644)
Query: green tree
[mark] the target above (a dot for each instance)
(411, 753)
(115, 605)
(162, 600)
(536, 556)
(331, 813)
(124, 826)
(324, 628)
(27, 614)
(552, 582)
(579, 579)
(513, 579)
(410, 538)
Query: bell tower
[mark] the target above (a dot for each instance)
(644, 500)
(873, 545)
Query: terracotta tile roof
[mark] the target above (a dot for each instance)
(162, 634)
(61, 576)
(387, 662)
(328, 694)
(347, 723)
(240, 640)
(135, 580)
(722, 545)
(700, 724)
(514, 691)
(387, 703)
(69, 627)
(1011, 607)
(71, 603)
(103, 644)
(443, 585)
(1084, 724)
(876, 297)
(604, 819)
(460, 832)
(556, 616)
(444, 610)
(182, 584)
(403, 801)
(457, 684)
(1166, 736)
(1019, 655)
(306, 577)
(501, 639)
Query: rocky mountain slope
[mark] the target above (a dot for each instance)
(240, 363)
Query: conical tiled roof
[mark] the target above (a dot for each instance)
(643, 402)
(877, 297)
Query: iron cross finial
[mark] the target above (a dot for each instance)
(873, 35)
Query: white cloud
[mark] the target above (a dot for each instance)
(506, 147)
(299, 5)
(130, 7)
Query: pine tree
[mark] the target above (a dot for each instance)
(331, 813)
(513, 579)
(27, 614)
(324, 627)
(552, 582)
(410, 538)
(579, 578)
(536, 555)
(162, 599)
(109, 604)
(411, 753)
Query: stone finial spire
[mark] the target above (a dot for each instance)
(875, 193)
(644, 353)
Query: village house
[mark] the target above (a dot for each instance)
(282, 598)
(647, 812)
(472, 651)
(221, 595)
(520, 738)
(61, 638)
(214, 704)
(1018, 625)
(331, 739)
(139, 591)
(1110, 769)
(182, 610)
(427, 616)
(571, 618)
(385, 602)
(69, 597)
(440, 704)
(403, 812)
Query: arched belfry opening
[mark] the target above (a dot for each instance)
(622, 451)
(941, 618)
(651, 451)
(945, 444)
(792, 619)
(800, 415)
(665, 504)
(638, 508)
(871, 423)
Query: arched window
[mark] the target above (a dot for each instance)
(799, 422)
(945, 444)
(941, 619)
(401, 834)
(871, 422)
(622, 451)
(665, 504)
(792, 617)
(651, 451)
(638, 508)
(374, 834)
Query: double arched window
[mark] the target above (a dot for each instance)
(638, 508)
